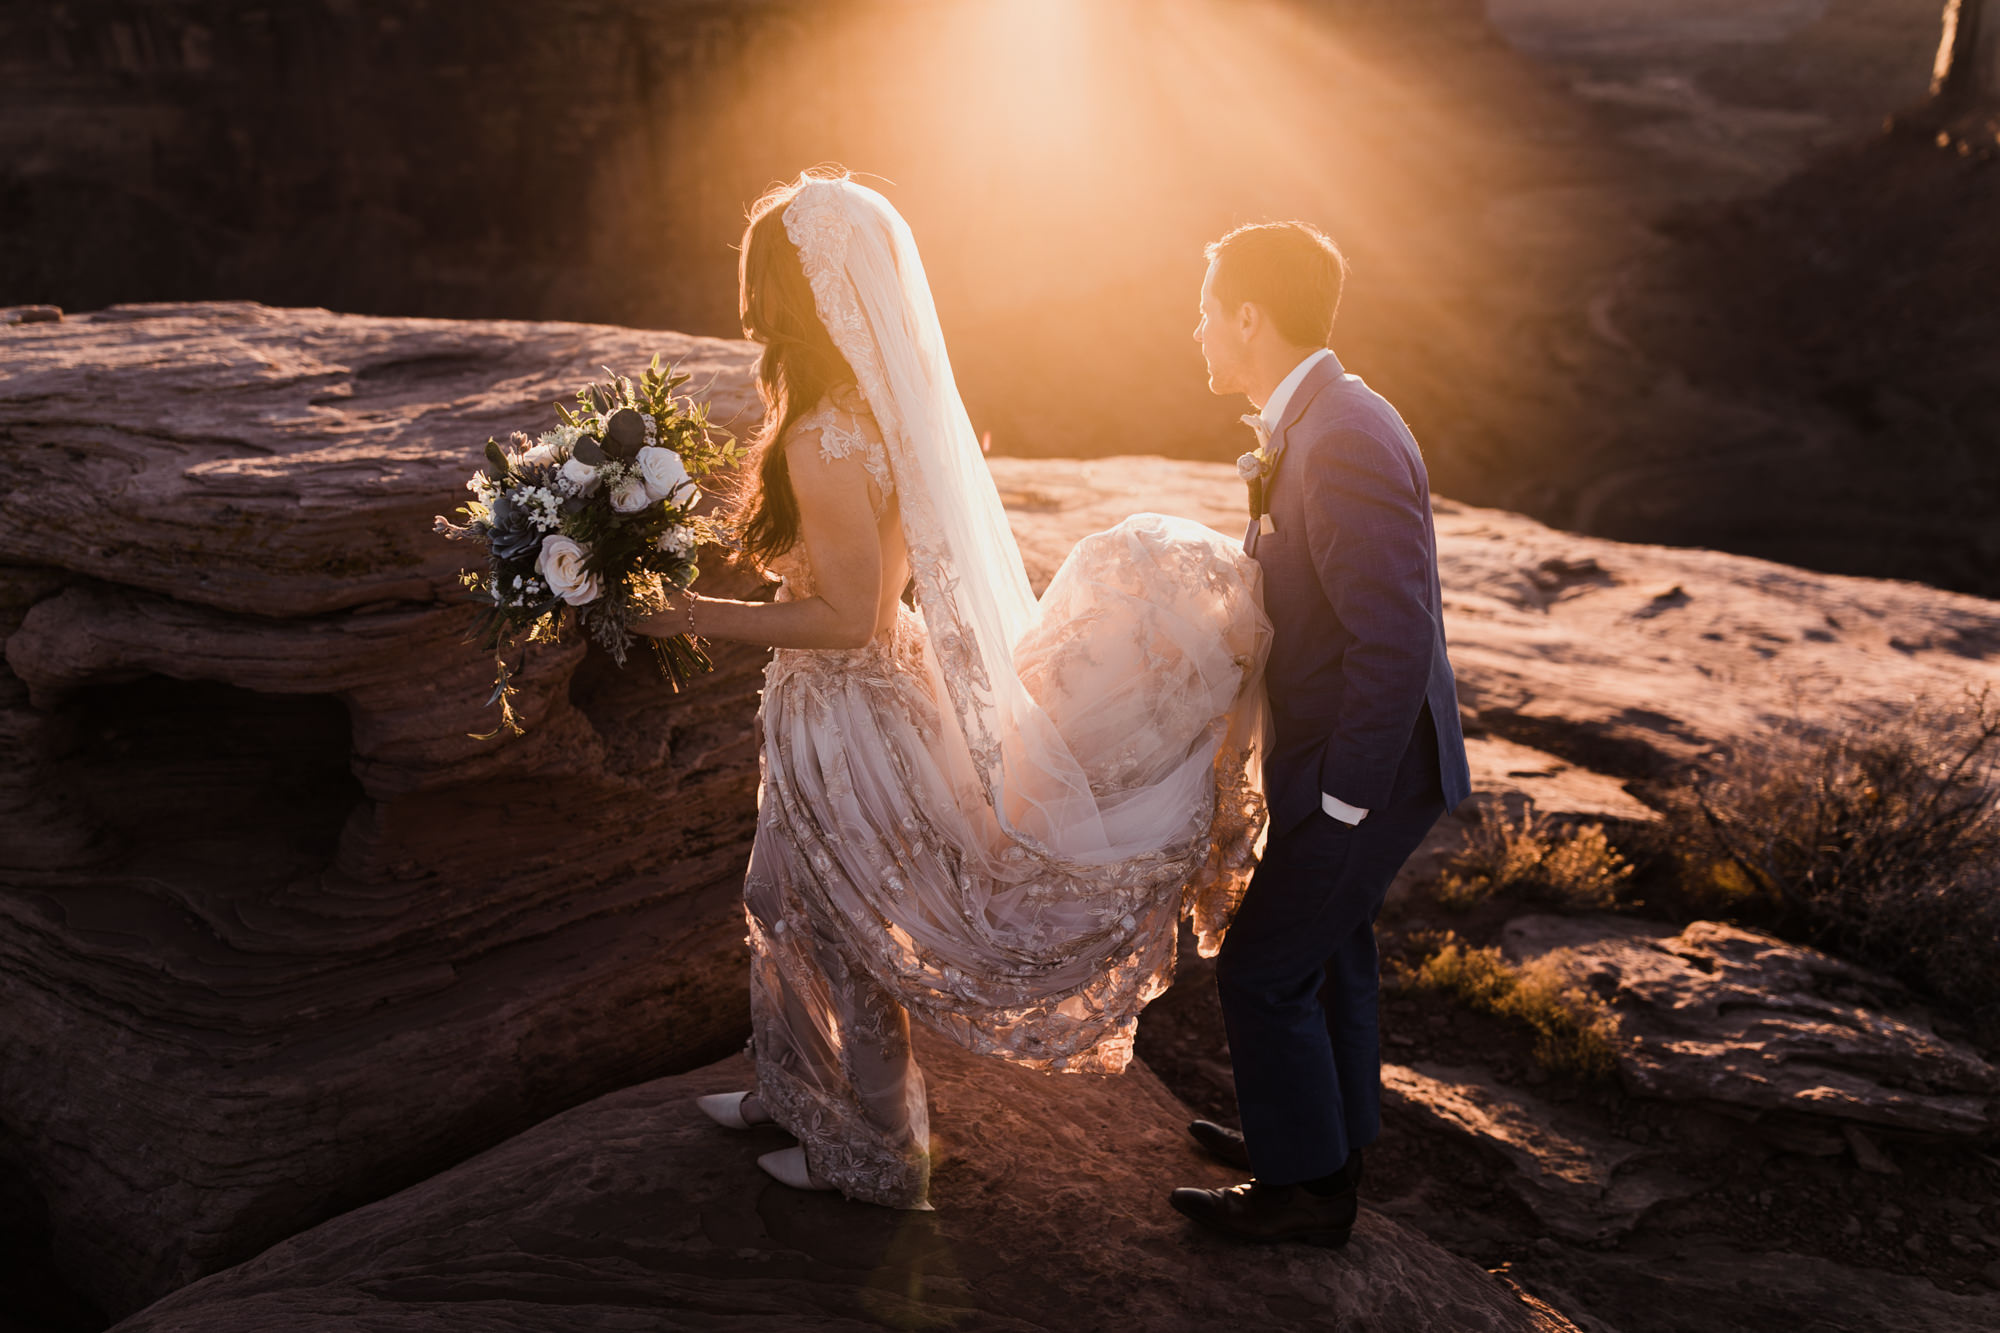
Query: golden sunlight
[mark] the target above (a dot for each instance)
(1063, 163)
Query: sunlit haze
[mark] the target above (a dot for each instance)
(1062, 165)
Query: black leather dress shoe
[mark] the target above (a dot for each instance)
(1256, 1212)
(1222, 1143)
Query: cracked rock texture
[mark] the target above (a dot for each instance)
(277, 935)
(277, 938)
(1735, 1018)
(1581, 1184)
(634, 1211)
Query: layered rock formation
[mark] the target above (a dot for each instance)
(1580, 1183)
(600, 171)
(1717, 1286)
(1539, 283)
(635, 1211)
(1584, 663)
(279, 935)
(1734, 1018)
(277, 938)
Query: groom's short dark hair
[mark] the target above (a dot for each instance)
(1292, 270)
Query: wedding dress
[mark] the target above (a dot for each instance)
(992, 817)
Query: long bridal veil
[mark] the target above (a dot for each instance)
(1088, 776)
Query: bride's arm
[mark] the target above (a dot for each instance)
(837, 525)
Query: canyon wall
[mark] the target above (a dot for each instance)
(278, 936)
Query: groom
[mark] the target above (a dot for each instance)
(1366, 751)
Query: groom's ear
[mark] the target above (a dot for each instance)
(1250, 318)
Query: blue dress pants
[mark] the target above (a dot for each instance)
(1309, 1074)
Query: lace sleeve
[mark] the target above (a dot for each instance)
(844, 433)
(839, 437)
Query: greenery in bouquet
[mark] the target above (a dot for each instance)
(594, 522)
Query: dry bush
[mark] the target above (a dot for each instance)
(1574, 868)
(1573, 1030)
(1879, 844)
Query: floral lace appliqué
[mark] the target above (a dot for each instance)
(883, 886)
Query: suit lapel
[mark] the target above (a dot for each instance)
(1327, 371)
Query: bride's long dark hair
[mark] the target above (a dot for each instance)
(800, 365)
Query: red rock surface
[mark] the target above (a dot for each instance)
(310, 939)
(1581, 1184)
(1730, 1017)
(277, 938)
(634, 1211)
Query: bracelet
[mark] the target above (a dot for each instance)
(692, 599)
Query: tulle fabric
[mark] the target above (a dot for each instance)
(992, 818)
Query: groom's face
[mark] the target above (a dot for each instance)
(1223, 342)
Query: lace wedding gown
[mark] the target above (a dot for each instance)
(992, 817)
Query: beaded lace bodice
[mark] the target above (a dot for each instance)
(991, 818)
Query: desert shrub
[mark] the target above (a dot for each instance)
(1572, 1028)
(1881, 844)
(1575, 868)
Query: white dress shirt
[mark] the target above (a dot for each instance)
(1281, 397)
(1273, 413)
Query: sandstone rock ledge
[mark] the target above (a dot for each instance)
(277, 938)
(1735, 1018)
(633, 1211)
(277, 935)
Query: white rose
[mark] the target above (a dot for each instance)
(677, 541)
(663, 470)
(581, 476)
(562, 564)
(630, 495)
(541, 453)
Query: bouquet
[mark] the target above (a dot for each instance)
(593, 522)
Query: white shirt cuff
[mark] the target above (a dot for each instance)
(1341, 810)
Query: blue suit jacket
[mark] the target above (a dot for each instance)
(1351, 585)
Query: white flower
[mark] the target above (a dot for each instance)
(562, 563)
(629, 494)
(581, 476)
(544, 452)
(1250, 466)
(663, 470)
(540, 505)
(677, 541)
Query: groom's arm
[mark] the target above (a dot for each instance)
(1365, 530)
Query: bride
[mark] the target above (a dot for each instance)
(983, 812)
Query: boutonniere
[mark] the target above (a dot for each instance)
(1255, 469)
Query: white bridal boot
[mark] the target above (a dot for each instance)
(726, 1109)
(787, 1166)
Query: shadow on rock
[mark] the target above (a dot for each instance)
(635, 1210)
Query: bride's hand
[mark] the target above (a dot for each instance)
(842, 545)
(672, 618)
